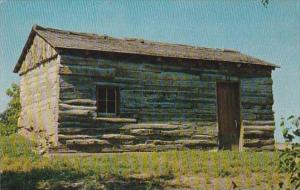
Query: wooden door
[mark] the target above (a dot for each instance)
(228, 99)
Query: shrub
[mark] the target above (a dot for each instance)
(9, 118)
(289, 158)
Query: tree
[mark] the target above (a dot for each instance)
(9, 118)
(289, 158)
(265, 2)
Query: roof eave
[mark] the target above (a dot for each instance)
(266, 64)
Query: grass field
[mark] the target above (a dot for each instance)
(22, 168)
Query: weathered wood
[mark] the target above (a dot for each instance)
(257, 110)
(190, 143)
(83, 102)
(256, 116)
(257, 80)
(203, 137)
(258, 123)
(175, 100)
(144, 132)
(82, 113)
(116, 120)
(258, 133)
(258, 142)
(98, 131)
(259, 128)
(87, 142)
(64, 138)
(138, 147)
(71, 107)
(86, 71)
(256, 100)
(151, 126)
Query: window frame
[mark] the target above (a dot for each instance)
(116, 100)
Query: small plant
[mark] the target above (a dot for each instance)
(289, 158)
(15, 146)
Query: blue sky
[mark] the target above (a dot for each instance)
(270, 33)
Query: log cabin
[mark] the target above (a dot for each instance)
(83, 92)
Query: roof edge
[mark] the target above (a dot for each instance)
(36, 28)
(267, 64)
(33, 32)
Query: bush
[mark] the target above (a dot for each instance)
(9, 118)
(6, 130)
(289, 158)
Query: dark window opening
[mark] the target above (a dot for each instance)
(107, 100)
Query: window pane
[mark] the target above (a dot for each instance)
(111, 94)
(101, 94)
(111, 106)
(102, 106)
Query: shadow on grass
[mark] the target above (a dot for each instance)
(70, 179)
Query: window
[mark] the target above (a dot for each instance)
(107, 100)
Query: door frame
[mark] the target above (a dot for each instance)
(240, 112)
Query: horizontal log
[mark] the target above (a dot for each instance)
(90, 84)
(258, 111)
(177, 133)
(259, 128)
(162, 75)
(139, 82)
(168, 110)
(118, 137)
(81, 102)
(258, 123)
(191, 132)
(151, 126)
(132, 104)
(190, 143)
(96, 131)
(256, 100)
(86, 71)
(258, 133)
(173, 131)
(176, 117)
(116, 120)
(160, 142)
(257, 80)
(87, 142)
(249, 85)
(258, 142)
(84, 122)
(144, 132)
(63, 138)
(82, 113)
(76, 107)
(149, 66)
(77, 95)
(204, 137)
(257, 107)
(139, 147)
(123, 65)
(256, 116)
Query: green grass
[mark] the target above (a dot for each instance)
(22, 168)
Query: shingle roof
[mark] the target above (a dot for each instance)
(60, 39)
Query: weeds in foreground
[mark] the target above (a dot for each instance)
(23, 168)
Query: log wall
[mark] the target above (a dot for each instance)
(39, 91)
(174, 105)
